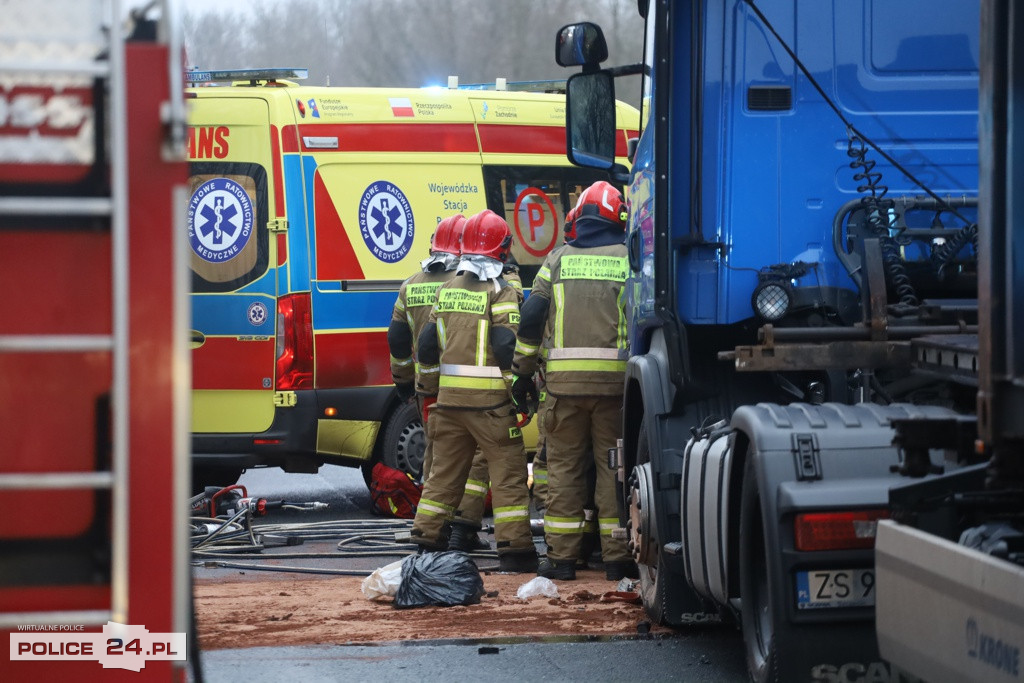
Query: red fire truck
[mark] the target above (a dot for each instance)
(94, 362)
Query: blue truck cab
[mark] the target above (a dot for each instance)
(802, 241)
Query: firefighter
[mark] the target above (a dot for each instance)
(416, 298)
(540, 461)
(465, 354)
(465, 532)
(581, 294)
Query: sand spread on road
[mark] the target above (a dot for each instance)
(307, 609)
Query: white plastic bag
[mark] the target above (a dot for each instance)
(537, 586)
(384, 581)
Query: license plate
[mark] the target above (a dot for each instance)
(835, 588)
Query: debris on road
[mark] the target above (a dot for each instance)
(538, 586)
(232, 613)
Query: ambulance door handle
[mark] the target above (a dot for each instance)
(198, 339)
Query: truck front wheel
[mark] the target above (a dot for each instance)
(666, 595)
(763, 632)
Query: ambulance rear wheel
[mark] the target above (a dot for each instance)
(404, 440)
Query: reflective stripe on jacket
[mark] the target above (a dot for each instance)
(416, 298)
(466, 321)
(585, 346)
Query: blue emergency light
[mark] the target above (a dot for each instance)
(252, 75)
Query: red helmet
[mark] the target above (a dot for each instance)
(569, 229)
(447, 236)
(603, 200)
(487, 234)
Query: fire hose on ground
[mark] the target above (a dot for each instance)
(224, 532)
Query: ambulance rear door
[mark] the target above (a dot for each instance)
(383, 170)
(233, 262)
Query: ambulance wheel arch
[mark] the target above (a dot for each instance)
(400, 442)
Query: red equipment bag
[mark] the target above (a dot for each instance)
(393, 492)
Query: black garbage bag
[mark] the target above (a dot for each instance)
(440, 579)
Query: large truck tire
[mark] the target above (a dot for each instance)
(773, 645)
(667, 597)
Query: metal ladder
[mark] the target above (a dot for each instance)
(114, 208)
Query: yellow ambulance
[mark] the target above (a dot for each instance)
(308, 207)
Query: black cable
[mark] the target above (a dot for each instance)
(849, 125)
(295, 570)
(876, 204)
(359, 538)
(944, 254)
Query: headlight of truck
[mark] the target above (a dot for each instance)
(772, 300)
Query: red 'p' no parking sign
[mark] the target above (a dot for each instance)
(535, 210)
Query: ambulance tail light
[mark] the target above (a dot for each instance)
(837, 530)
(294, 342)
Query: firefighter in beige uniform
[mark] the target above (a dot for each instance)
(416, 298)
(582, 295)
(470, 514)
(591, 537)
(465, 356)
(540, 461)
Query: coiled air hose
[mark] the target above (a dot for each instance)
(876, 205)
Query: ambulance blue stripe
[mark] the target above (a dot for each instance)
(228, 314)
(297, 194)
(346, 310)
(261, 285)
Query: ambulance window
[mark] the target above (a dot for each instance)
(227, 225)
(534, 201)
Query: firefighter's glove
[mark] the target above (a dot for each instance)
(405, 391)
(525, 396)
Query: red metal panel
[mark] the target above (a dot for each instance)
(62, 436)
(352, 359)
(503, 138)
(57, 282)
(290, 139)
(227, 363)
(390, 137)
(153, 501)
(84, 306)
(335, 258)
(282, 249)
(622, 139)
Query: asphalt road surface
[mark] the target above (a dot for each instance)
(706, 655)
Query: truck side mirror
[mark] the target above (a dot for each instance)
(590, 120)
(631, 145)
(580, 44)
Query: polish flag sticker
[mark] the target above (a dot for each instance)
(400, 106)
